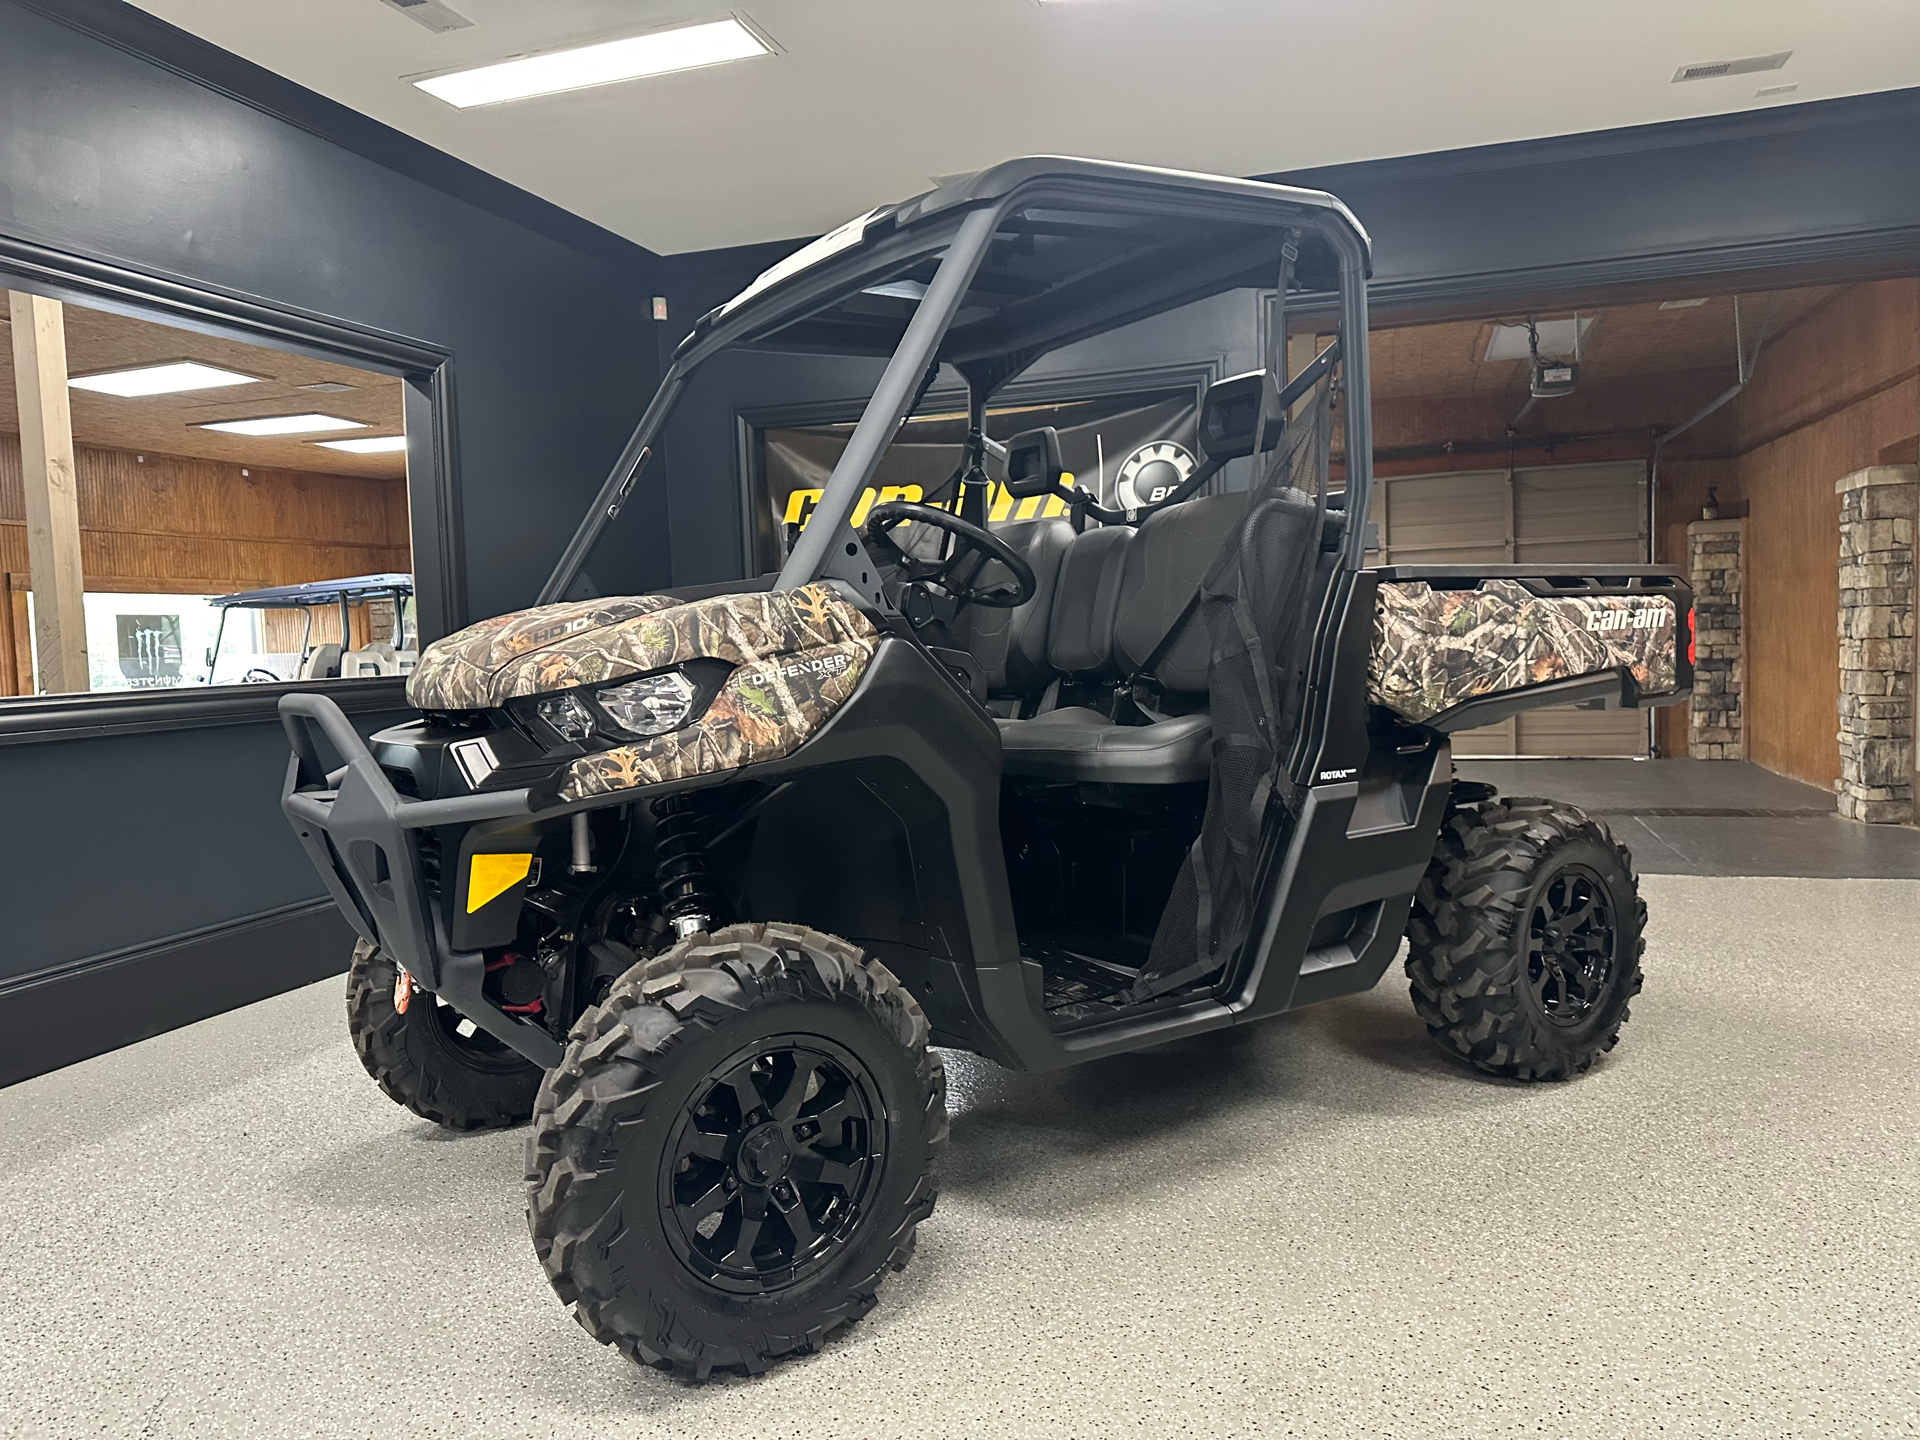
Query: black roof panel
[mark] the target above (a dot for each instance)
(1095, 245)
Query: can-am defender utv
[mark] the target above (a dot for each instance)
(697, 879)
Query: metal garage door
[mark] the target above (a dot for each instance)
(1547, 516)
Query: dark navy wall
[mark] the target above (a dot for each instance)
(1828, 186)
(129, 863)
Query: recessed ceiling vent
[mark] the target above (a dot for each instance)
(1715, 69)
(435, 16)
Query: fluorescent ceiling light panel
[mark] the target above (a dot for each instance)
(655, 53)
(283, 425)
(167, 379)
(1682, 304)
(366, 444)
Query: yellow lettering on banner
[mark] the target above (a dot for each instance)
(796, 500)
(1001, 506)
(494, 875)
(887, 493)
(1005, 507)
(800, 503)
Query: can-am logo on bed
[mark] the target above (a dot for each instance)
(1152, 473)
(1646, 619)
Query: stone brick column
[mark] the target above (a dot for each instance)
(1877, 512)
(1714, 726)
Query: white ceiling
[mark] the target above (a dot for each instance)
(868, 98)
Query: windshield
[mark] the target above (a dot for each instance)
(987, 276)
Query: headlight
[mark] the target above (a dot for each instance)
(568, 716)
(650, 706)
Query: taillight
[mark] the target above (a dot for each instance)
(1691, 635)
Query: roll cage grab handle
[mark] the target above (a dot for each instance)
(829, 547)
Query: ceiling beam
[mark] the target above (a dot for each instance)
(52, 501)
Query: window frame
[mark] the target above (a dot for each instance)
(426, 373)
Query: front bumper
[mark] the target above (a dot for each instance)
(363, 836)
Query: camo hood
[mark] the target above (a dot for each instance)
(556, 647)
(1433, 649)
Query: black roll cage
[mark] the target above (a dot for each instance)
(957, 224)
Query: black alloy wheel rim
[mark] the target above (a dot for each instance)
(773, 1165)
(1571, 945)
(466, 1041)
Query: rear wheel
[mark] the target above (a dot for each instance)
(1525, 940)
(431, 1058)
(735, 1149)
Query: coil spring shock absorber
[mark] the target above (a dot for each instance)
(680, 865)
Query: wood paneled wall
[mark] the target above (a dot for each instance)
(172, 525)
(1834, 394)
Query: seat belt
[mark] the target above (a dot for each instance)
(1142, 679)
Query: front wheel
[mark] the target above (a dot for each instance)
(1525, 939)
(428, 1056)
(736, 1147)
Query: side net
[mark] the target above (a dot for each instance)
(1253, 600)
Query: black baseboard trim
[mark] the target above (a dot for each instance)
(77, 1011)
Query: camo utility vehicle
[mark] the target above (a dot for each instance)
(697, 880)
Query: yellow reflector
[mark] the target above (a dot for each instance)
(493, 875)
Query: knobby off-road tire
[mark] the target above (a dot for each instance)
(471, 1082)
(735, 1064)
(1526, 938)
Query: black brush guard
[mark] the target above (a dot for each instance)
(363, 836)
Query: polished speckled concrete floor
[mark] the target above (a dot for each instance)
(1316, 1227)
(1714, 817)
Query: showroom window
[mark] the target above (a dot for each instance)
(182, 511)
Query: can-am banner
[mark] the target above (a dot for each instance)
(1124, 457)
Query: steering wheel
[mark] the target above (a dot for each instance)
(977, 544)
(259, 675)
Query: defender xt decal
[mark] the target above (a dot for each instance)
(1433, 649)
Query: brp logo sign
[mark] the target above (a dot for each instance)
(1152, 473)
